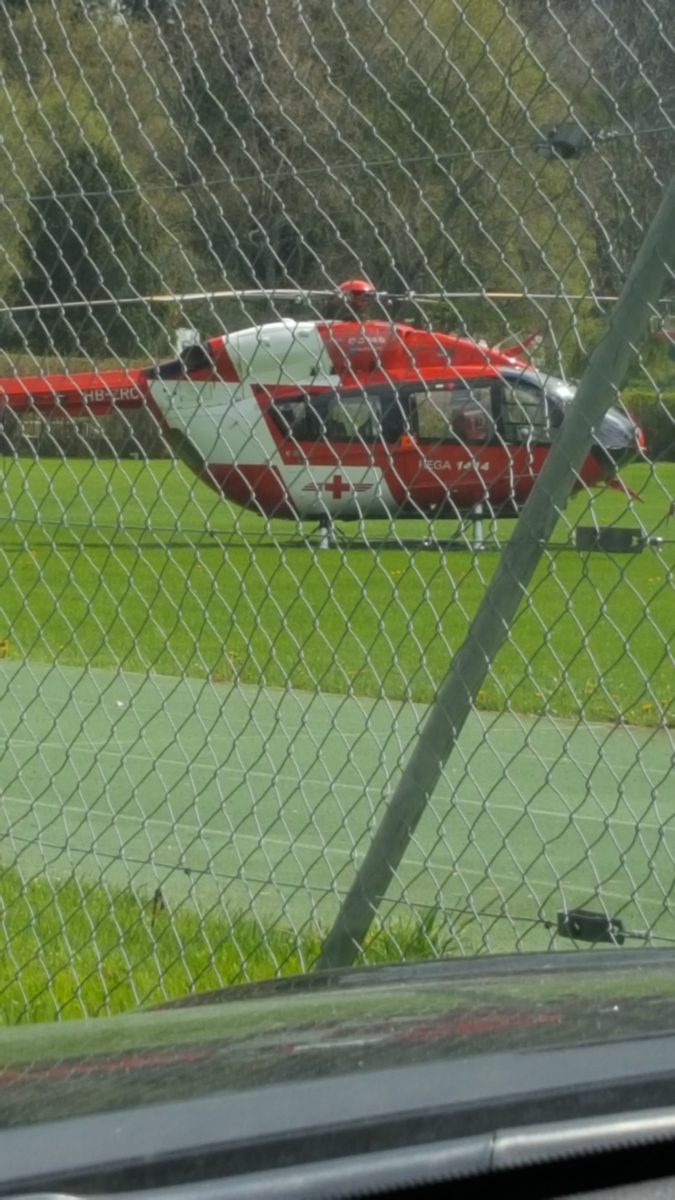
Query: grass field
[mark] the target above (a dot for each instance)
(73, 948)
(140, 566)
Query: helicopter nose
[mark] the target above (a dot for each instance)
(618, 440)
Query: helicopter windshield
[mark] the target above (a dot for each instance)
(559, 389)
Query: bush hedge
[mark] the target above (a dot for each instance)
(655, 414)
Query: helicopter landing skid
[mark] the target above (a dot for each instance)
(328, 538)
(477, 541)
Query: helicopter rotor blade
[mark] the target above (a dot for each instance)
(174, 298)
(299, 296)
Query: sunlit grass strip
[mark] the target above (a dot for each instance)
(91, 574)
(71, 948)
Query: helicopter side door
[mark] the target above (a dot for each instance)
(445, 456)
(332, 450)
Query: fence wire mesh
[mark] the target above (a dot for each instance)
(247, 518)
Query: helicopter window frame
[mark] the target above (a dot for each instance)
(355, 417)
(468, 419)
(290, 417)
(325, 417)
(520, 400)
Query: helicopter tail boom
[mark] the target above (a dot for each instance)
(83, 395)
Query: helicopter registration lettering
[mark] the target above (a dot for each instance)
(101, 396)
(441, 464)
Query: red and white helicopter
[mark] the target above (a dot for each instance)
(347, 417)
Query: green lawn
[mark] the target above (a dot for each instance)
(72, 948)
(140, 566)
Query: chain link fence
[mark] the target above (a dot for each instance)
(251, 521)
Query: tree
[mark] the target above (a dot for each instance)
(88, 239)
(358, 137)
(299, 143)
(613, 65)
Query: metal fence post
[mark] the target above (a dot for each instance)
(601, 380)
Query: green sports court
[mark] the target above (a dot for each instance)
(264, 800)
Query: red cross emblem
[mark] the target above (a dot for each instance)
(336, 486)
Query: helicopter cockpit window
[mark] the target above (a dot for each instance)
(524, 414)
(457, 414)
